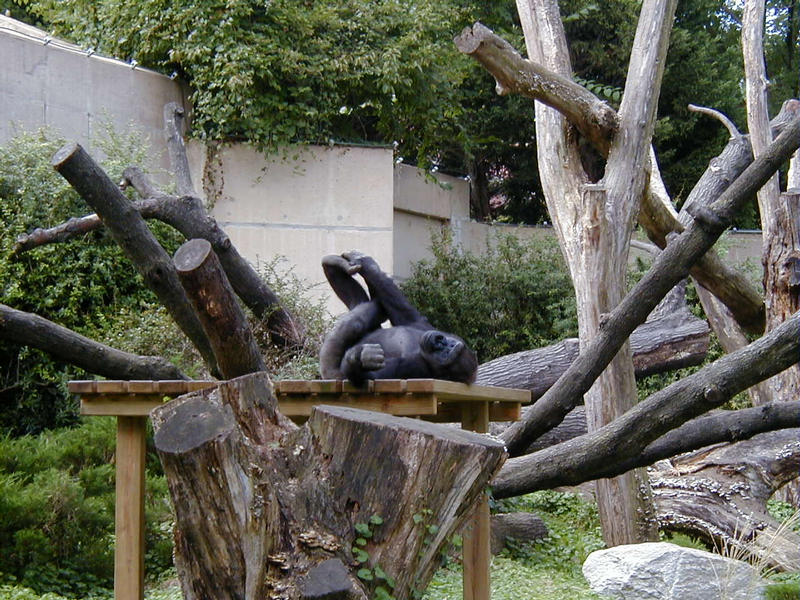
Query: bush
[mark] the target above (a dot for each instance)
(57, 510)
(516, 296)
(85, 284)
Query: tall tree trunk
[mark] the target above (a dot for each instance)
(594, 224)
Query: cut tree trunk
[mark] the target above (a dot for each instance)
(214, 302)
(32, 330)
(265, 509)
(719, 493)
(134, 238)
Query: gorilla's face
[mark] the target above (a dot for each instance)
(448, 356)
(441, 348)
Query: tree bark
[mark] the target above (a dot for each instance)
(267, 509)
(720, 494)
(37, 332)
(173, 121)
(214, 303)
(137, 242)
(615, 447)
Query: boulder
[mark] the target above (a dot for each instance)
(663, 571)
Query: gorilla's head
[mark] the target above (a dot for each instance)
(448, 356)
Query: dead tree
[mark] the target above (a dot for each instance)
(266, 509)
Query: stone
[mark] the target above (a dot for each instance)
(329, 580)
(663, 571)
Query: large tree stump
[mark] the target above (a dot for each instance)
(267, 509)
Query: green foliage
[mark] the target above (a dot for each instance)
(86, 284)
(782, 591)
(57, 511)
(516, 296)
(548, 569)
(294, 292)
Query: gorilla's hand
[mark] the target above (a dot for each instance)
(367, 357)
(372, 357)
(340, 262)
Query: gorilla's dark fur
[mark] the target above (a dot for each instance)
(359, 349)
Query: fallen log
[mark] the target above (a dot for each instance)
(720, 493)
(671, 338)
(350, 502)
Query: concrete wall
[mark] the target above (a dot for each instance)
(48, 82)
(328, 201)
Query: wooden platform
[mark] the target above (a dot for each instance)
(430, 399)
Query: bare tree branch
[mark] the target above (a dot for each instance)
(671, 266)
(611, 449)
(28, 329)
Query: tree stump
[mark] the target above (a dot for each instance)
(350, 502)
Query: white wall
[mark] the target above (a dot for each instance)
(48, 82)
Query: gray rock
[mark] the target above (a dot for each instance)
(329, 580)
(662, 571)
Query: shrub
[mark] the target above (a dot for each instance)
(57, 510)
(515, 296)
(85, 284)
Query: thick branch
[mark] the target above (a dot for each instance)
(137, 242)
(32, 330)
(670, 267)
(589, 456)
(593, 117)
(223, 320)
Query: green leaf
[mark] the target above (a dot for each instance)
(365, 574)
(376, 520)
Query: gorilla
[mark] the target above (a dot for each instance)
(358, 348)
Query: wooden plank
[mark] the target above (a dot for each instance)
(477, 555)
(123, 405)
(111, 386)
(326, 386)
(390, 386)
(129, 510)
(292, 386)
(450, 412)
(461, 392)
(300, 406)
(81, 386)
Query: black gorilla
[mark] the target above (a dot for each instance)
(359, 349)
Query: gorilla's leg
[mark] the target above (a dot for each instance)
(347, 332)
(339, 273)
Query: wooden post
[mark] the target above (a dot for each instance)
(129, 510)
(477, 556)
